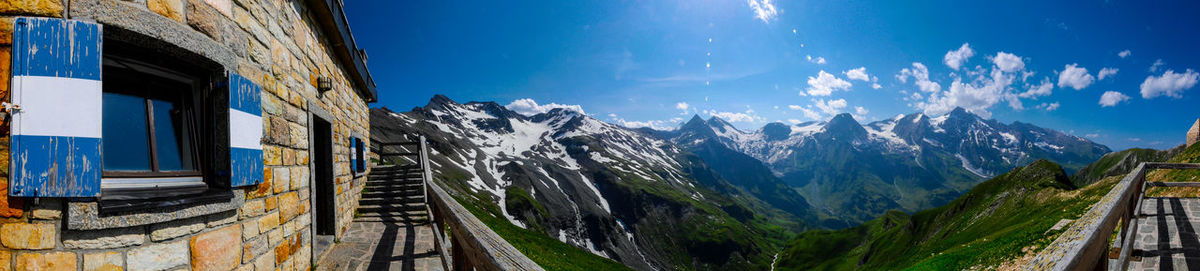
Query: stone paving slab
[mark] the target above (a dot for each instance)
(1167, 238)
(383, 246)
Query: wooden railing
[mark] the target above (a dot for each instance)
(470, 243)
(1086, 244)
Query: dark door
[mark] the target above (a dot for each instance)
(322, 158)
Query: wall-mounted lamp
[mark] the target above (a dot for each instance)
(324, 84)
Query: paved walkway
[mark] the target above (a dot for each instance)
(391, 229)
(383, 246)
(1167, 238)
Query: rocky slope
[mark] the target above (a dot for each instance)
(617, 192)
(854, 172)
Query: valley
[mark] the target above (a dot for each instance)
(707, 196)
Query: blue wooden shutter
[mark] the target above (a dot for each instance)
(55, 145)
(245, 132)
(353, 154)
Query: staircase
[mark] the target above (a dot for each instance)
(393, 194)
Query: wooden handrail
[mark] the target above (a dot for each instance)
(471, 244)
(1085, 245)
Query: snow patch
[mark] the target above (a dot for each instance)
(967, 165)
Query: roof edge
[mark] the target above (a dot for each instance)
(332, 19)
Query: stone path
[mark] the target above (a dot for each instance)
(1167, 238)
(383, 246)
(391, 229)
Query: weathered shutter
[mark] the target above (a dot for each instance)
(55, 144)
(353, 154)
(245, 132)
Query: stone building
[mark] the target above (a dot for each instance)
(1193, 134)
(178, 134)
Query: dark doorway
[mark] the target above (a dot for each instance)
(322, 158)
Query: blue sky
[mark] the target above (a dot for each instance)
(1122, 73)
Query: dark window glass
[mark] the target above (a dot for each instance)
(147, 126)
(171, 134)
(358, 146)
(125, 133)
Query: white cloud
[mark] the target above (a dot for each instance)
(1042, 89)
(858, 74)
(825, 84)
(1048, 106)
(1075, 77)
(818, 60)
(831, 107)
(763, 10)
(1095, 135)
(530, 107)
(807, 111)
(876, 86)
(795, 121)
(861, 110)
(1158, 63)
(812, 114)
(1008, 62)
(682, 106)
(1170, 84)
(921, 74)
(1106, 72)
(653, 124)
(954, 59)
(734, 116)
(1124, 54)
(1112, 98)
(976, 96)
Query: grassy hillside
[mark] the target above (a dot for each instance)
(993, 224)
(1189, 155)
(547, 252)
(1118, 163)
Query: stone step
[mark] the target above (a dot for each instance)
(395, 167)
(406, 169)
(394, 182)
(396, 177)
(411, 219)
(408, 188)
(383, 200)
(396, 174)
(390, 194)
(405, 185)
(392, 215)
(391, 208)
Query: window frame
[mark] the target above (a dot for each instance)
(188, 107)
(129, 189)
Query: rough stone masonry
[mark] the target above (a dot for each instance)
(1193, 135)
(279, 45)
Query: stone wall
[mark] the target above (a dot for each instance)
(1193, 135)
(276, 44)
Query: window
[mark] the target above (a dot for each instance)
(149, 142)
(357, 156)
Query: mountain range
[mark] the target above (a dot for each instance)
(1000, 224)
(854, 172)
(615, 192)
(707, 195)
